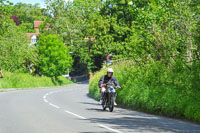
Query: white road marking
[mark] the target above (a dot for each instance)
(113, 130)
(54, 105)
(45, 100)
(75, 115)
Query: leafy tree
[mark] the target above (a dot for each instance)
(54, 56)
(27, 13)
(16, 53)
(70, 22)
(15, 19)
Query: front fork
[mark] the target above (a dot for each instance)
(112, 93)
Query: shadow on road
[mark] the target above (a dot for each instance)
(95, 109)
(89, 103)
(84, 82)
(146, 124)
(138, 121)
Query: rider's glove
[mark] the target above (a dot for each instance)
(102, 85)
(118, 87)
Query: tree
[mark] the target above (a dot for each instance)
(54, 57)
(139, 29)
(27, 13)
(15, 19)
(16, 53)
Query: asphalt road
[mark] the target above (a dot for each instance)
(70, 110)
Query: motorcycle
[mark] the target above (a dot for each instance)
(109, 97)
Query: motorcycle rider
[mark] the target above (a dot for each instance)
(106, 78)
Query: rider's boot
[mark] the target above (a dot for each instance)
(115, 99)
(101, 98)
(100, 102)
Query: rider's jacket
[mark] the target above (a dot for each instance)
(104, 79)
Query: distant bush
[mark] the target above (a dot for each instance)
(153, 87)
(22, 80)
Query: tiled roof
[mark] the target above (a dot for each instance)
(37, 23)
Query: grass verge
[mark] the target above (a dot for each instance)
(155, 88)
(24, 80)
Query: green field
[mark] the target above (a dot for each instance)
(24, 80)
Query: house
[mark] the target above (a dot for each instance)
(33, 36)
(36, 25)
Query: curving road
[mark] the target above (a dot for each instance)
(70, 110)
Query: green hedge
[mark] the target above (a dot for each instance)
(172, 91)
(24, 80)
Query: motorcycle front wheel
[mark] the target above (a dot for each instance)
(111, 103)
(104, 104)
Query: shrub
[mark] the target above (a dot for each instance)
(54, 56)
(156, 88)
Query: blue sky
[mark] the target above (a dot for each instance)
(41, 2)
